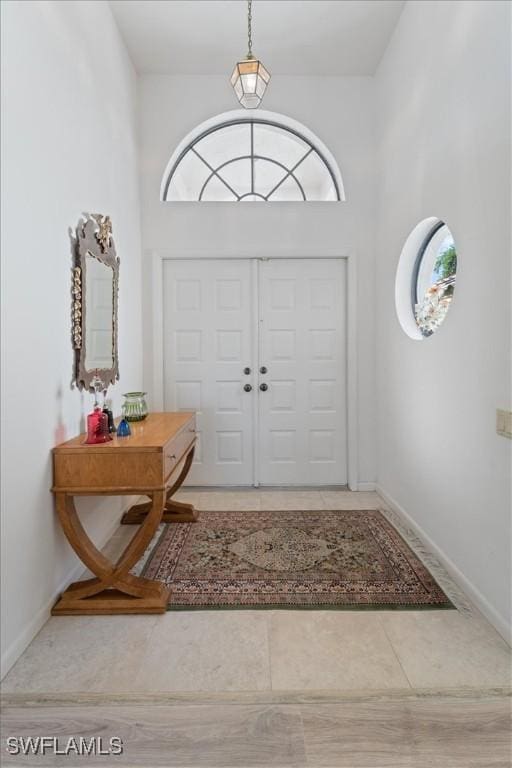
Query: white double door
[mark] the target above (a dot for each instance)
(257, 348)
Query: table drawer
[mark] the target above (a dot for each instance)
(176, 449)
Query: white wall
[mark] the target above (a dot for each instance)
(69, 145)
(443, 107)
(340, 112)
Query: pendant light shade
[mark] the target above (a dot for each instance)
(250, 78)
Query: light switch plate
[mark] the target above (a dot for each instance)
(504, 423)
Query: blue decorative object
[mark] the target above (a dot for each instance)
(123, 430)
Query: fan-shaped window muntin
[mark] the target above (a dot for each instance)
(277, 163)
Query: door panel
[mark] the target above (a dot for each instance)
(207, 344)
(302, 414)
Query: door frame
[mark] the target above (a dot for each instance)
(157, 259)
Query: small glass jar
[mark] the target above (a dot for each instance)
(134, 406)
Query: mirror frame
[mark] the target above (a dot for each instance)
(93, 238)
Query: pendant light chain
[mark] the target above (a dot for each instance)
(249, 29)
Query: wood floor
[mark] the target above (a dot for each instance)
(422, 732)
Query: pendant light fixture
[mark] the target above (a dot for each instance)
(250, 78)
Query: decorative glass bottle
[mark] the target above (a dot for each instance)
(134, 406)
(97, 420)
(123, 430)
(97, 427)
(107, 410)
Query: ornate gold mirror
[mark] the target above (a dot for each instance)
(94, 310)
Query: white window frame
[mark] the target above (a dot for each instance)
(237, 117)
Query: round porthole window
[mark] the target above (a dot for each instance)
(425, 279)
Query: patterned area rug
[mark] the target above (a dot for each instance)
(291, 560)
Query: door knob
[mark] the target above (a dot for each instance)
(247, 371)
(263, 387)
(263, 369)
(247, 388)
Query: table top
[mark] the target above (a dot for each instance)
(151, 434)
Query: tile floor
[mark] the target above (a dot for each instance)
(215, 652)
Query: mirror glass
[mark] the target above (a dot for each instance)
(99, 314)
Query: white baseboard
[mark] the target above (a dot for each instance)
(366, 485)
(472, 592)
(16, 648)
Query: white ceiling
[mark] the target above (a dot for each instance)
(308, 37)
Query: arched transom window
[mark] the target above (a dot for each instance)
(251, 160)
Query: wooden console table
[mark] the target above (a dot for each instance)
(154, 462)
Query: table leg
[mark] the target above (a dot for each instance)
(174, 511)
(113, 589)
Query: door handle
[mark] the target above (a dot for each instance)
(263, 369)
(247, 388)
(263, 387)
